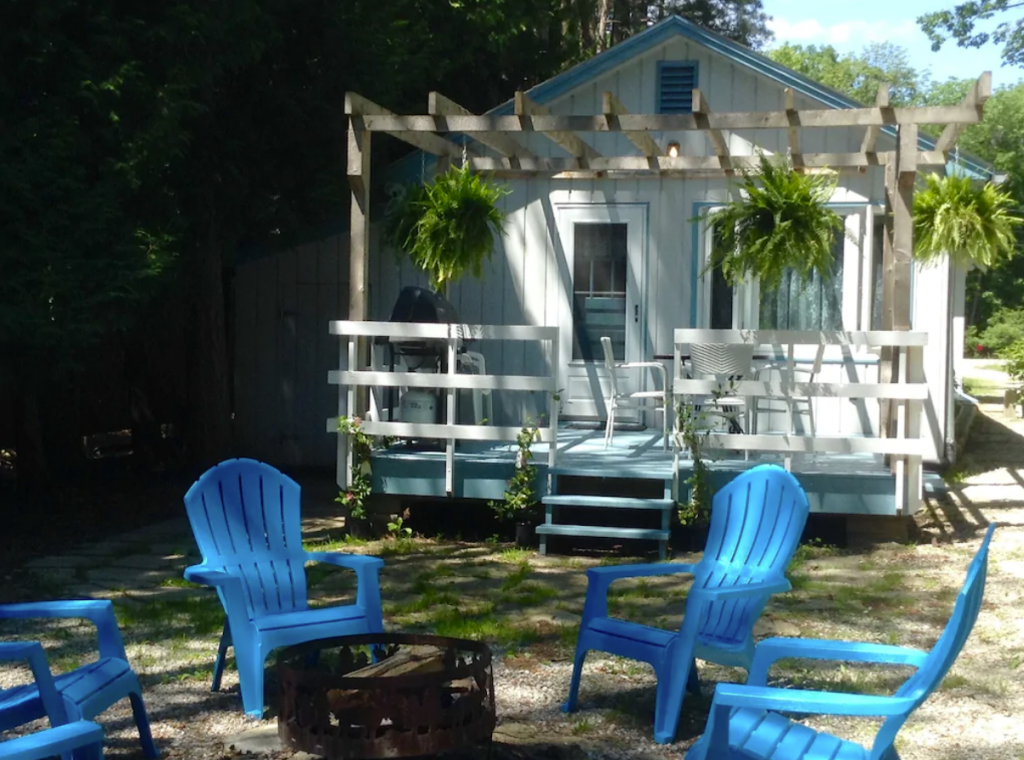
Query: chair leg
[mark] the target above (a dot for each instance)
(693, 680)
(609, 430)
(249, 659)
(142, 722)
(671, 685)
(222, 650)
(574, 683)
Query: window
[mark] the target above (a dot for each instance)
(676, 83)
(599, 289)
(814, 305)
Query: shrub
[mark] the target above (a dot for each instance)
(1005, 328)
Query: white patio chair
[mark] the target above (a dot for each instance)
(617, 398)
(793, 406)
(724, 362)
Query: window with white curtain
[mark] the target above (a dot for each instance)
(816, 304)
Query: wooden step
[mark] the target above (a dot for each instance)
(596, 531)
(610, 471)
(608, 502)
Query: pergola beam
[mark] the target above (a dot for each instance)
(871, 133)
(439, 105)
(528, 113)
(980, 92)
(357, 105)
(667, 164)
(612, 109)
(719, 142)
(561, 127)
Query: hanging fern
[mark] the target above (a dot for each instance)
(448, 227)
(783, 222)
(972, 223)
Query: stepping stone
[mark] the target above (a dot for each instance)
(149, 562)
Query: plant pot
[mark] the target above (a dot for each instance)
(524, 535)
(358, 527)
(691, 538)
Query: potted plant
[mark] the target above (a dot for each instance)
(448, 227)
(695, 513)
(972, 222)
(782, 222)
(520, 505)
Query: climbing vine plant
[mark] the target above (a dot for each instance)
(355, 496)
(520, 502)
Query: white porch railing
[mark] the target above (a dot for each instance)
(908, 391)
(353, 377)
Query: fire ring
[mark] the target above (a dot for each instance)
(327, 708)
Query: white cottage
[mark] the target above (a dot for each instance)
(609, 165)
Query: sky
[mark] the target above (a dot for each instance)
(849, 25)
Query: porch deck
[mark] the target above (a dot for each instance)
(835, 484)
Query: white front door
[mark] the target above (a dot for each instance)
(604, 251)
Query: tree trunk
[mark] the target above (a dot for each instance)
(602, 25)
(211, 397)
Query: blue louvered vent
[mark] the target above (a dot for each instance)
(676, 82)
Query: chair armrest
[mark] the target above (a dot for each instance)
(817, 702)
(758, 588)
(100, 612)
(600, 578)
(367, 571)
(228, 585)
(770, 650)
(357, 562)
(658, 368)
(53, 741)
(32, 652)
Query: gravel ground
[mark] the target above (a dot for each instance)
(977, 714)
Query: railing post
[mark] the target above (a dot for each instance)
(915, 475)
(449, 449)
(350, 405)
(902, 507)
(553, 406)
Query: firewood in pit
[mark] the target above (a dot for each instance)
(408, 661)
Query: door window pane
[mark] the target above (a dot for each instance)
(599, 289)
(814, 305)
(721, 295)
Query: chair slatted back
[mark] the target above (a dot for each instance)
(609, 363)
(756, 524)
(942, 656)
(246, 520)
(721, 360)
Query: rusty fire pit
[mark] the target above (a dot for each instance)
(438, 697)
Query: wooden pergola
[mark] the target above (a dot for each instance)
(514, 159)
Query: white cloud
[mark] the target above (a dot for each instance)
(846, 34)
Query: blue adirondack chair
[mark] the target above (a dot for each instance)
(82, 693)
(745, 721)
(245, 517)
(82, 737)
(756, 523)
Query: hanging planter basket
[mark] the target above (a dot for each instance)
(782, 223)
(971, 222)
(448, 228)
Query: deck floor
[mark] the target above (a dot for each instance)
(636, 452)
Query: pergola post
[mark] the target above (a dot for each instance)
(359, 239)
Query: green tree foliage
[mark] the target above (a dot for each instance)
(608, 22)
(858, 75)
(961, 22)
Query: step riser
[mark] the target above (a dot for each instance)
(594, 502)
